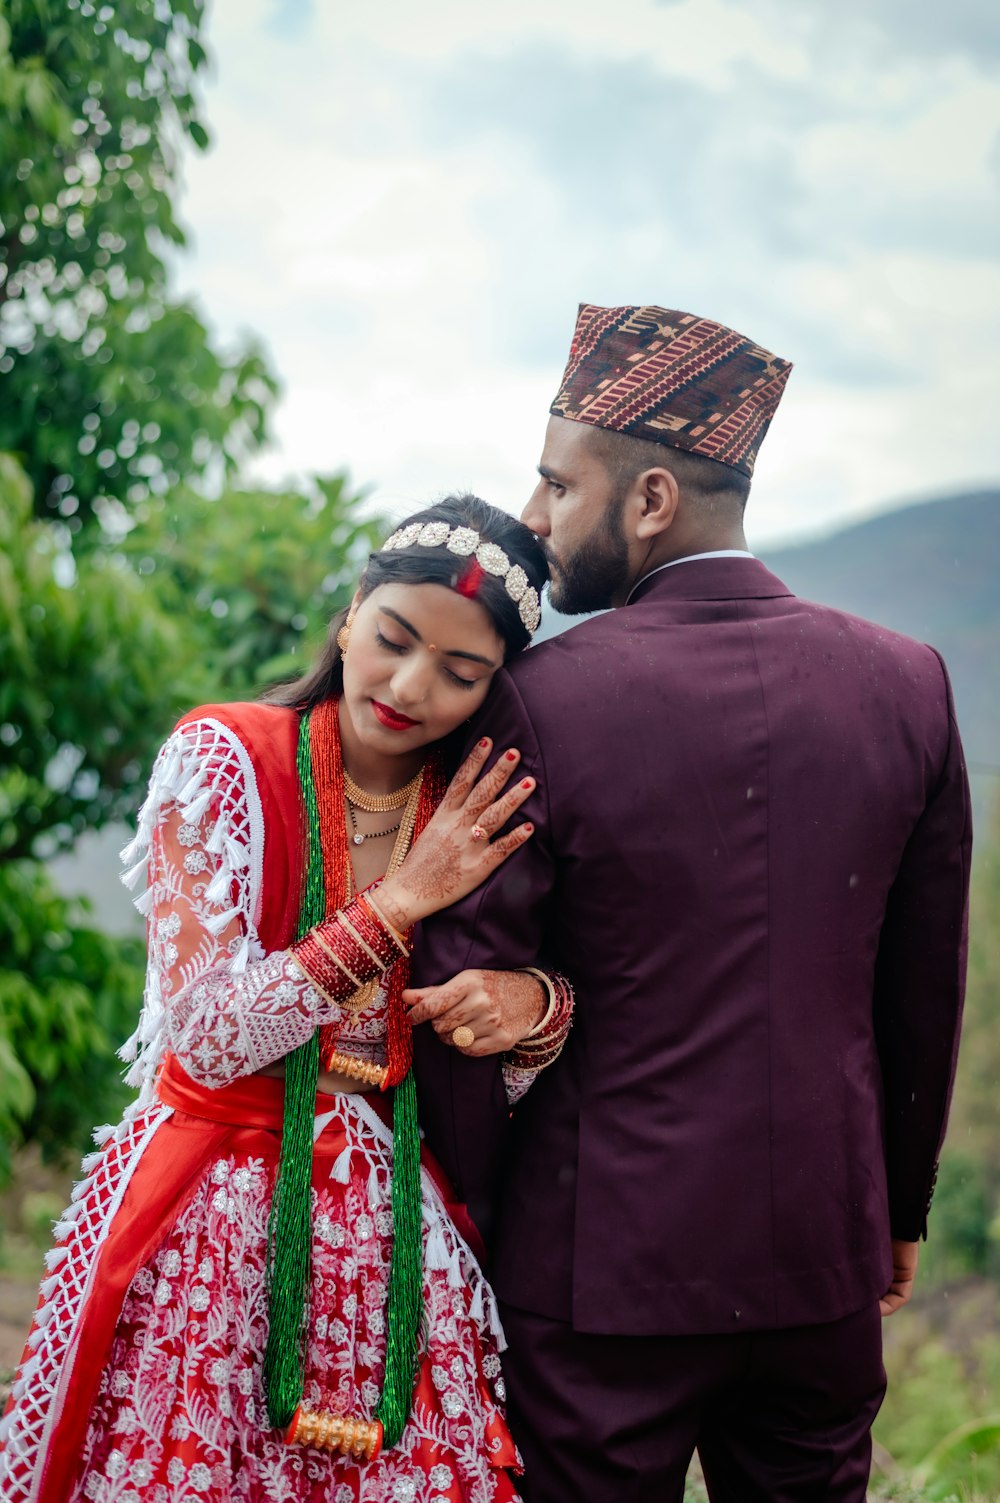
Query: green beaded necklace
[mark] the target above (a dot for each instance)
(290, 1222)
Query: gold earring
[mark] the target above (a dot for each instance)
(344, 634)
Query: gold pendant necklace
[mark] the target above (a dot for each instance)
(365, 995)
(380, 803)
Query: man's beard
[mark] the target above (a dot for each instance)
(597, 573)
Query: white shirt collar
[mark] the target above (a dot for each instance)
(690, 558)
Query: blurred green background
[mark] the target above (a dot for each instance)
(141, 573)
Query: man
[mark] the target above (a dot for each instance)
(751, 858)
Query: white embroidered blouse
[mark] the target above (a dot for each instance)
(212, 996)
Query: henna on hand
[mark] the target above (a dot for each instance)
(429, 873)
(447, 861)
(500, 1007)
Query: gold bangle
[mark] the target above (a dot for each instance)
(530, 1066)
(376, 959)
(336, 960)
(530, 970)
(400, 942)
(317, 986)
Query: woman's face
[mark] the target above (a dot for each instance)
(419, 663)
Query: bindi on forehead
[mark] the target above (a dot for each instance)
(460, 650)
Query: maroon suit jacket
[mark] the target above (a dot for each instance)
(751, 859)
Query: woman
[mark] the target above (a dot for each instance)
(260, 1290)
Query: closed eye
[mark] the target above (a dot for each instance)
(384, 642)
(400, 647)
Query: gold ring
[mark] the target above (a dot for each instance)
(478, 833)
(463, 1038)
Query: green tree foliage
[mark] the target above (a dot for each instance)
(92, 671)
(257, 573)
(109, 391)
(99, 653)
(102, 650)
(965, 1222)
(126, 594)
(68, 996)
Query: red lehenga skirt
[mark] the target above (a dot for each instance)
(142, 1377)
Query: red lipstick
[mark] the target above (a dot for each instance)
(392, 719)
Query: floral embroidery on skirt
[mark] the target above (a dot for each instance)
(180, 1414)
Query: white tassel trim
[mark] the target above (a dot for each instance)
(374, 1192)
(44, 1314)
(91, 1161)
(130, 879)
(496, 1325)
(103, 1135)
(436, 1251)
(215, 844)
(128, 853)
(220, 885)
(193, 788)
(23, 1383)
(71, 1213)
(341, 1171)
(49, 1286)
(194, 812)
(66, 1223)
(25, 1376)
(80, 1189)
(7, 1426)
(218, 921)
(455, 1277)
(201, 762)
(237, 854)
(55, 1256)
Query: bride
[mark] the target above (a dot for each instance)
(262, 1288)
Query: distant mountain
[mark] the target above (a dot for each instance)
(933, 572)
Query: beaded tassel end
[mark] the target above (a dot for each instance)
(360, 1439)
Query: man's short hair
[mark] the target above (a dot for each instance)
(698, 478)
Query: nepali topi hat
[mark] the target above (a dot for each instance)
(673, 378)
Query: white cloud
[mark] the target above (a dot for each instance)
(408, 202)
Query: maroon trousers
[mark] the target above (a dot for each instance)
(776, 1416)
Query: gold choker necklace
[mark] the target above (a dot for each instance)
(379, 803)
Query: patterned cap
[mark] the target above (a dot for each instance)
(674, 378)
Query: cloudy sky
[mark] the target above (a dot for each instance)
(406, 203)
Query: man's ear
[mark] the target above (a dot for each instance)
(657, 500)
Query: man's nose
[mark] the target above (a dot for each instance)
(534, 514)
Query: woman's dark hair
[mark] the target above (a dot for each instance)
(436, 565)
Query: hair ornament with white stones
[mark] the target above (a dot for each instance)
(465, 542)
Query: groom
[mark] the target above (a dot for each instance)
(751, 859)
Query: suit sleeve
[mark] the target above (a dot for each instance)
(920, 987)
(463, 1102)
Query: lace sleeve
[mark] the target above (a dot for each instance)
(543, 1046)
(212, 995)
